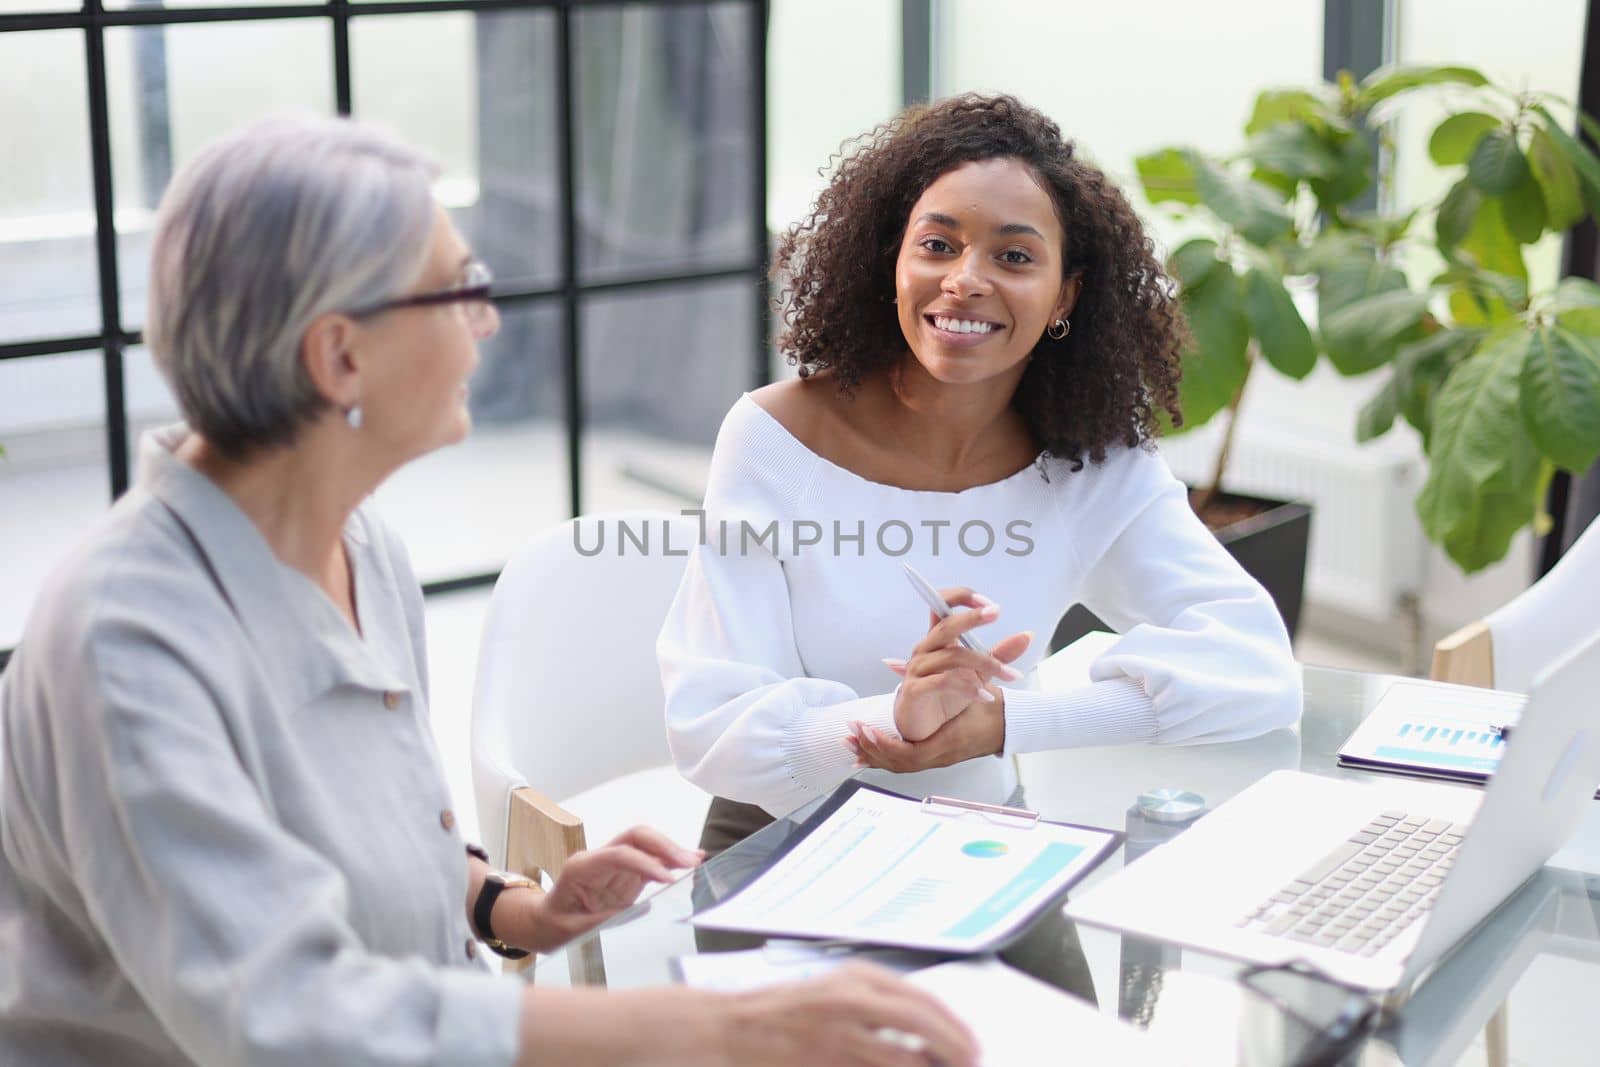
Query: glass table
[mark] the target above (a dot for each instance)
(1537, 959)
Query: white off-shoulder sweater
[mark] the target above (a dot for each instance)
(796, 594)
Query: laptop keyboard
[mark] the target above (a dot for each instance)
(1369, 889)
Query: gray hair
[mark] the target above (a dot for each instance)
(284, 220)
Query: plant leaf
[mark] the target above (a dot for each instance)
(1347, 272)
(1365, 334)
(1563, 198)
(1457, 211)
(1561, 396)
(1575, 292)
(1496, 165)
(1377, 414)
(1590, 126)
(1386, 82)
(1384, 230)
(1482, 468)
(1280, 331)
(1484, 283)
(1352, 175)
(1420, 368)
(1284, 185)
(1193, 261)
(1292, 150)
(1477, 302)
(1468, 308)
(1489, 243)
(1167, 176)
(1454, 139)
(1523, 208)
(1583, 161)
(1214, 367)
(1281, 105)
(1576, 303)
(1249, 207)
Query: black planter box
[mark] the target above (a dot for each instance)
(1270, 546)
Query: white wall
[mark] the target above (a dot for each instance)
(1122, 79)
(833, 73)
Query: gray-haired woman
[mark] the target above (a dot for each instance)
(226, 834)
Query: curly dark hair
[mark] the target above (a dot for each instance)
(1104, 383)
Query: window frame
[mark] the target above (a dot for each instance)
(570, 291)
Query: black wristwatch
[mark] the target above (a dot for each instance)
(495, 883)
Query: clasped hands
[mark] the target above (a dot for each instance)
(947, 708)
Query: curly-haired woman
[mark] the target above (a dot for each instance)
(985, 342)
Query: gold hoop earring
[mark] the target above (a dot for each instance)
(1058, 329)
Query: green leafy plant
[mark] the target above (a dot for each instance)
(1502, 383)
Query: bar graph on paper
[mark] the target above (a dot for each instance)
(1436, 729)
(1445, 744)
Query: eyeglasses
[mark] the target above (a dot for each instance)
(472, 294)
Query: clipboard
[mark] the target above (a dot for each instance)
(871, 866)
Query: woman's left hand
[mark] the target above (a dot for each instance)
(597, 883)
(978, 730)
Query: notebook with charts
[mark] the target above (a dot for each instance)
(879, 868)
(1434, 730)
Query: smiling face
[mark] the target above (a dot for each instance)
(979, 275)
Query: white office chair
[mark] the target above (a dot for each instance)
(1509, 646)
(568, 702)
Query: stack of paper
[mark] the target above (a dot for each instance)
(1018, 1020)
(785, 961)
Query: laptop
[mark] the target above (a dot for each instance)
(1371, 883)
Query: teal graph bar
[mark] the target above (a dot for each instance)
(1055, 857)
(1426, 757)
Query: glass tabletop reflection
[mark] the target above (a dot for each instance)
(1537, 959)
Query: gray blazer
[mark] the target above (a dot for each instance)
(225, 834)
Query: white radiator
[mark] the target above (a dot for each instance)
(1366, 542)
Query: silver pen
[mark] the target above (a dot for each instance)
(937, 605)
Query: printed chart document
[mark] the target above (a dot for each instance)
(879, 868)
(1438, 731)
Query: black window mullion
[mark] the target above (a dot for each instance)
(106, 250)
(1357, 36)
(916, 52)
(341, 57)
(758, 199)
(571, 327)
(52, 346)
